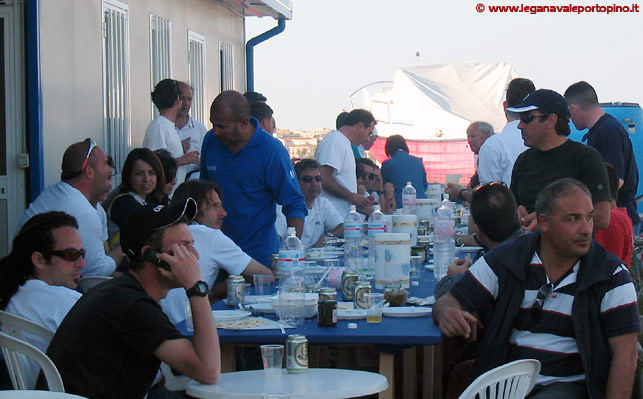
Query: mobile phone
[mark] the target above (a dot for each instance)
(150, 255)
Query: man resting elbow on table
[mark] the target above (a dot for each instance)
(113, 340)
(216, 250)
(558, 297)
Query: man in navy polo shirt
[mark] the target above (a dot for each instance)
(254, 172)
(607, 136)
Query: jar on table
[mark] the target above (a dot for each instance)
(327, 313)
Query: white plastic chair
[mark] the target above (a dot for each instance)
(174, 382)
(12, 347)
(86, 283)
(16, 325)
(510, 381)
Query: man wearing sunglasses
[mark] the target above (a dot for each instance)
(544, 124)
(38, 277)
(112, 342)
(322, 216)
(85, 181)
(557, 297)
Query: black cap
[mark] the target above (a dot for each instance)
(142, 222)
(546, 100)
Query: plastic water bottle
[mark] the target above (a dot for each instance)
(443, 242)
(447, 201)
(376, 225)
(353, 240)
(409, 197)
(291, 254)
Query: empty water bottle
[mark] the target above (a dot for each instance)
(291, 254)
(444, 242)
(353, 240)
(409, 198)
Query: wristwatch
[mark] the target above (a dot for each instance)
(199, 289)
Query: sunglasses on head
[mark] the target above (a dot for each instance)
(309, 179)
(527, 118)
(70, 254)
(541, 296)
(487, 185)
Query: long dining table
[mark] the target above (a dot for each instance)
(392, 335)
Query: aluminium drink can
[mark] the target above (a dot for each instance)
(349, 279)
(361, 288)
(296, 353)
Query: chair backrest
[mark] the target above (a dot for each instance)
(85, 283)
(174, 382)
(16, 325)
(12, 347)
(510, 381)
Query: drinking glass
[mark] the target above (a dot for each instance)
(272, 356)
(375, 302)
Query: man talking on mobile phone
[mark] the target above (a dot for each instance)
(114, 339)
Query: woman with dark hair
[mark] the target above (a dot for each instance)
(143, 183)
(401, 168)
(169, 169)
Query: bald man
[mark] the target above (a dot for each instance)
(254, 172)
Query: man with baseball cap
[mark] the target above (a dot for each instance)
(113, 340)
(544, 123)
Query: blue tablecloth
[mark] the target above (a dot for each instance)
(394, 331)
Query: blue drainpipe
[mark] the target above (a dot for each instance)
(250, 77)
(34, 99)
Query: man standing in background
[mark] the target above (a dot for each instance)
(190, 130)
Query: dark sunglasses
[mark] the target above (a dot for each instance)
(70, 254)
(527, 118)
(541, 296)
(309, 179)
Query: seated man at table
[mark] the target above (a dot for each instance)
(112, 342)
(494, 217)
(557, 297)
(323, 219)
(216, 251)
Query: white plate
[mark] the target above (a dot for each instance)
(351, 314)
(406, 312)
(429, 266)
(262, 307)
(230, 315)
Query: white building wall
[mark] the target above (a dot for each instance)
(71, 64)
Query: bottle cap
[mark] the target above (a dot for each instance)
(352, 326)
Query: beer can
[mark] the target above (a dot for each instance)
(296, 353)
(274, 265)
(361, 288)
(348, 285)
(234, 284)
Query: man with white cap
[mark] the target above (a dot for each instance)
(544, 123)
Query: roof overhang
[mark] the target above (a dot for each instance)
(261, 8)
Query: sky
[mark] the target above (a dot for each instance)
(331, 48)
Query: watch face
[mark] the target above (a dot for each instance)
(201, 288)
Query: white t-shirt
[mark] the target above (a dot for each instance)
(281, 223)
(321, 218)
(195, 131)
(46, 305)
(498, 154)
(216, 251)
(63, 197)
(161, 133)
(335, 151)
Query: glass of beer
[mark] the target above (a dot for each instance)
(375, 301)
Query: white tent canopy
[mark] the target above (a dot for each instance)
(437, 102)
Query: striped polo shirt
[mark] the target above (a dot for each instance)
(549, 335)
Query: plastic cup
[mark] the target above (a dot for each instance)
(262, 283)
(242, 292)
(272, 357)
(375, 302)
(291, 301)
(416, 266)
